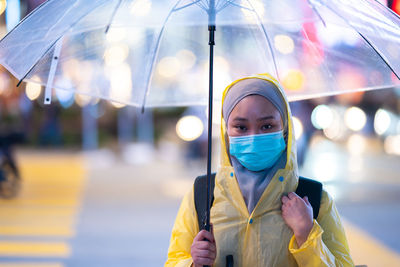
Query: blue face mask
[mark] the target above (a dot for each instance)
(257, 152)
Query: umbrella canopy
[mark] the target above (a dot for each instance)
(155, 53)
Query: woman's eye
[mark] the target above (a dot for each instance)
(266, 127)
(241, 127)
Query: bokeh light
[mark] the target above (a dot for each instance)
(169, 67)
(321, 117)
(325, 167)
(283, 44)
(117, 104)
(336, 129)
(187, 59)
(382, 121)
(3, 5)
(33, 90)
(298, 127)
(83, 100)
(121, 83)
(392, 145)
(115, 35)
(116, 55)
(257, 5)
(4, 83)
(356, 144)
(294, 80)
(65, 97)
(355, 118)
(189, 128)
(141, 7)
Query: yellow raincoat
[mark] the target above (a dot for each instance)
(261, 238)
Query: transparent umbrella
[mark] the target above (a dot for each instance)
(160, 53)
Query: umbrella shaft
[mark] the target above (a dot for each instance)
(211, 42)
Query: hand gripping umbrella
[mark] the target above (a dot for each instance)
(157, 53)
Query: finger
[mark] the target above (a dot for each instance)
(213, 248)
(205, 245)
(292, 195)
(209, 236)
(200, 236)
(205, 254)
(203, 234)
(306, 200)
(285, 199)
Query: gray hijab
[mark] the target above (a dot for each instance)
(254, 86)
(253, 184)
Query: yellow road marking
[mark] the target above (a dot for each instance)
(32, 212)
(47, 205)
(32, 264)
(38, 249)
(367, 250)
(29, 230)
(42, 202)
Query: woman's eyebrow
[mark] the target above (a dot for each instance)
(240, 119)
(266, 118)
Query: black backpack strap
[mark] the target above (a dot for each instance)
(313, 190)
(200, 197)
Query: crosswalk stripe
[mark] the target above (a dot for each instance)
(38, 249)
(46, 207)
(30, 230)
(31, 264)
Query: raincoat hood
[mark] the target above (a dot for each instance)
(289, 174)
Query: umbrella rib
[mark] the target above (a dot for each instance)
(34, 65)
(25, 18)
(227, 3)
(48, 49)
(156, 48)
(390, 10)
(237, 5)
(113, 15)
(199, 3)
(317, 12)
(188, 5)
(379, 54)
(267, 38)
(367, 41)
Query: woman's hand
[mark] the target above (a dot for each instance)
(203, 250)
(298, 215)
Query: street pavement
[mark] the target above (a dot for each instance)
(92, 209)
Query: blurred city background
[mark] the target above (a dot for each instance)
(100, 183)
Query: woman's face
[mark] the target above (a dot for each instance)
(254, 114)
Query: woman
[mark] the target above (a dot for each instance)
(256, 215)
